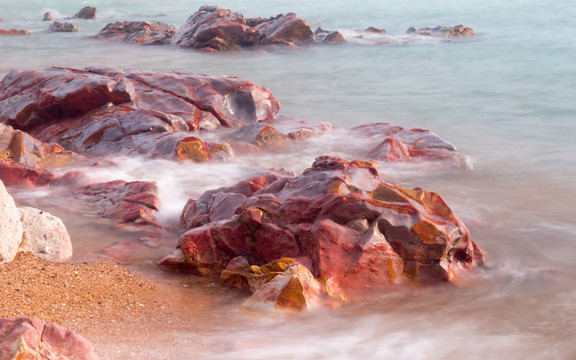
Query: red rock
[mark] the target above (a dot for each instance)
(14, 32)
(101, 110)
(135, 201)
(19, 175)
(351, 228)
(395, 144)
(30, 338)
(216, 29)
(138, 32)
(86, 13)
(459, 31)
(24, 148)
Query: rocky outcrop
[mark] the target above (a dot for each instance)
(23, 148)
(19, 175)
(138, 32)
(31, 338)
(458, 31)
(338, 218)
(57, 26)
(101, 111)
(86, 13)
(216, 29)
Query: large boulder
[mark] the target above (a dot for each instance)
(138, 32)
(31, 338)
(216, 29)
(57, 26)
(44, 235)
(10, 226)
(339, 218)
(101, 111)
(86, 13)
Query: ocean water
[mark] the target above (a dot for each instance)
(506, 98)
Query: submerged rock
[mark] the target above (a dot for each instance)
(57, 26)
(31, 338)
(459, 31)
(138, 32)
(47, 16)
(14, 32)
(339, 219)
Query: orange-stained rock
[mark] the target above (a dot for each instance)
(14, 32)
(138, 32)
(338, 218)
(31, 338)
(57, 26)
(19, 175)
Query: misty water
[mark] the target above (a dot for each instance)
(506, 98)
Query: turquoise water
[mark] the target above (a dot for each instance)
(505, 98)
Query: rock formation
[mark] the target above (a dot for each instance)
(138, 32)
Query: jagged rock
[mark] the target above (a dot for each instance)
(102, 111)
(138, 32)
(216, 29)
(459, 31)
(351, 228)
(31, 338)
(57, 26)
(44, 235)
(23, 148)
(15, 174)
(86, 13)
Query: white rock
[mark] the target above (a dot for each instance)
(10, 226)
(44, 235)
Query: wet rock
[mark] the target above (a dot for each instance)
(261, 135)
(19, 175)
(14, 32)
(352, 229)
(458, 31)
(216, 29)
(128, 202)
(392, 143)
(86, 13)
(138, 32)
(328, 37)
(31, 338)
(374, 30)
(101, 110)
(44, 235)
(57, 26)
(10, 226)
(47, 16)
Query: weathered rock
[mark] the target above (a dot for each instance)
(31, 338)
(47, 16)
(19, 175)
(328, 37)
(459, 31)
(216, 29)
(23, 148)
(374, 30)
(392, 143)
(57, 26)
(10, 226)
(138, 32)
(135, 201)
(101, 111)
(353, 229)
(44, 235)
(86, 13)
(14, 32)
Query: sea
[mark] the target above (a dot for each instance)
(506, 98)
